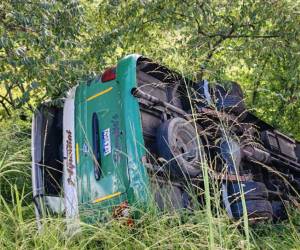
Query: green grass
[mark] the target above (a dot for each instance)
(204, 228)
(152, 231)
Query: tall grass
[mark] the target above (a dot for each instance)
(153, 230)
(205, 173)
(205, 227)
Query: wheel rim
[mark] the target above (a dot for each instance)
(184, 143)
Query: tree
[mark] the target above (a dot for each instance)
(47, 47)
(38, 45)
(254, 42)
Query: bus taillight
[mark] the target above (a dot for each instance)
(109, 74)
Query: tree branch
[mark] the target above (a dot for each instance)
(217, 43)
(5, 108)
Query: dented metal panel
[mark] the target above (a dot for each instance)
(121, 142)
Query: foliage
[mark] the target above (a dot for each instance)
(48, 46)
(254, 43)
(38, 44)
(14, 157)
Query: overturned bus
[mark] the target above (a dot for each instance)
(142, 132)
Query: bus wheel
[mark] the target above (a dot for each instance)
(177, 143)
(253, 190)
(257, 210)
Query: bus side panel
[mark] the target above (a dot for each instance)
(139, 179)
(69, 151)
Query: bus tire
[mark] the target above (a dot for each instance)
(177, 144)
(256, 209)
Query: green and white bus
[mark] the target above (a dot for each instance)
(142, 132)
